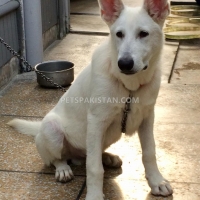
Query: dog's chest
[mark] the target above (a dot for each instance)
(138, 111)
(134, 118)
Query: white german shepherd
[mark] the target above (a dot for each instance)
(127, 63)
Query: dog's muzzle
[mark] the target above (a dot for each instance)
(132, 71)
(127, 66)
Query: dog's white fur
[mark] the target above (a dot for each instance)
(74, 130)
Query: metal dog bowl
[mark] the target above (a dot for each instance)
(61, 72)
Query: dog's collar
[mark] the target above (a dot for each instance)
(127, 109)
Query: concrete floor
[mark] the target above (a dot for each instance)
(177, 125)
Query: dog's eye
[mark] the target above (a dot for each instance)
(119, 34)
(143, 34)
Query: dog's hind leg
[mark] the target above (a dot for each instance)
(52, 146)
(111, 160)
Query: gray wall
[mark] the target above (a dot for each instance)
(49, 14)
(12, 30)
(50, 27)
(8, 29)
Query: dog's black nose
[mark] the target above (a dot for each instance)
(126, 64)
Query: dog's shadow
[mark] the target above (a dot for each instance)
(110, 172)
(112, 186)
(152, 197)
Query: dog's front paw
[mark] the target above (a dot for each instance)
(111, 160)
(64, 173)
(159, 185)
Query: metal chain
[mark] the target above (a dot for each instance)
(127, 109)
(29, 68)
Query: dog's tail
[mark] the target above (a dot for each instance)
(26, 127)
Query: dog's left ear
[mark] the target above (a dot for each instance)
(157, 9)
(110, 10)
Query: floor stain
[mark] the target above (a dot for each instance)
(190, 66)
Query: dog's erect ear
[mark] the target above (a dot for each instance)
(157, 9)
(110, 10)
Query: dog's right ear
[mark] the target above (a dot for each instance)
(110, 10)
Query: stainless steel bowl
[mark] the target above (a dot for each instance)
(61, 72)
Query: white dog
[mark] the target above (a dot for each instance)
(126, 64)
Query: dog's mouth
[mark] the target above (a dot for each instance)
(131, 72)
(145, 67)
(128, 72)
